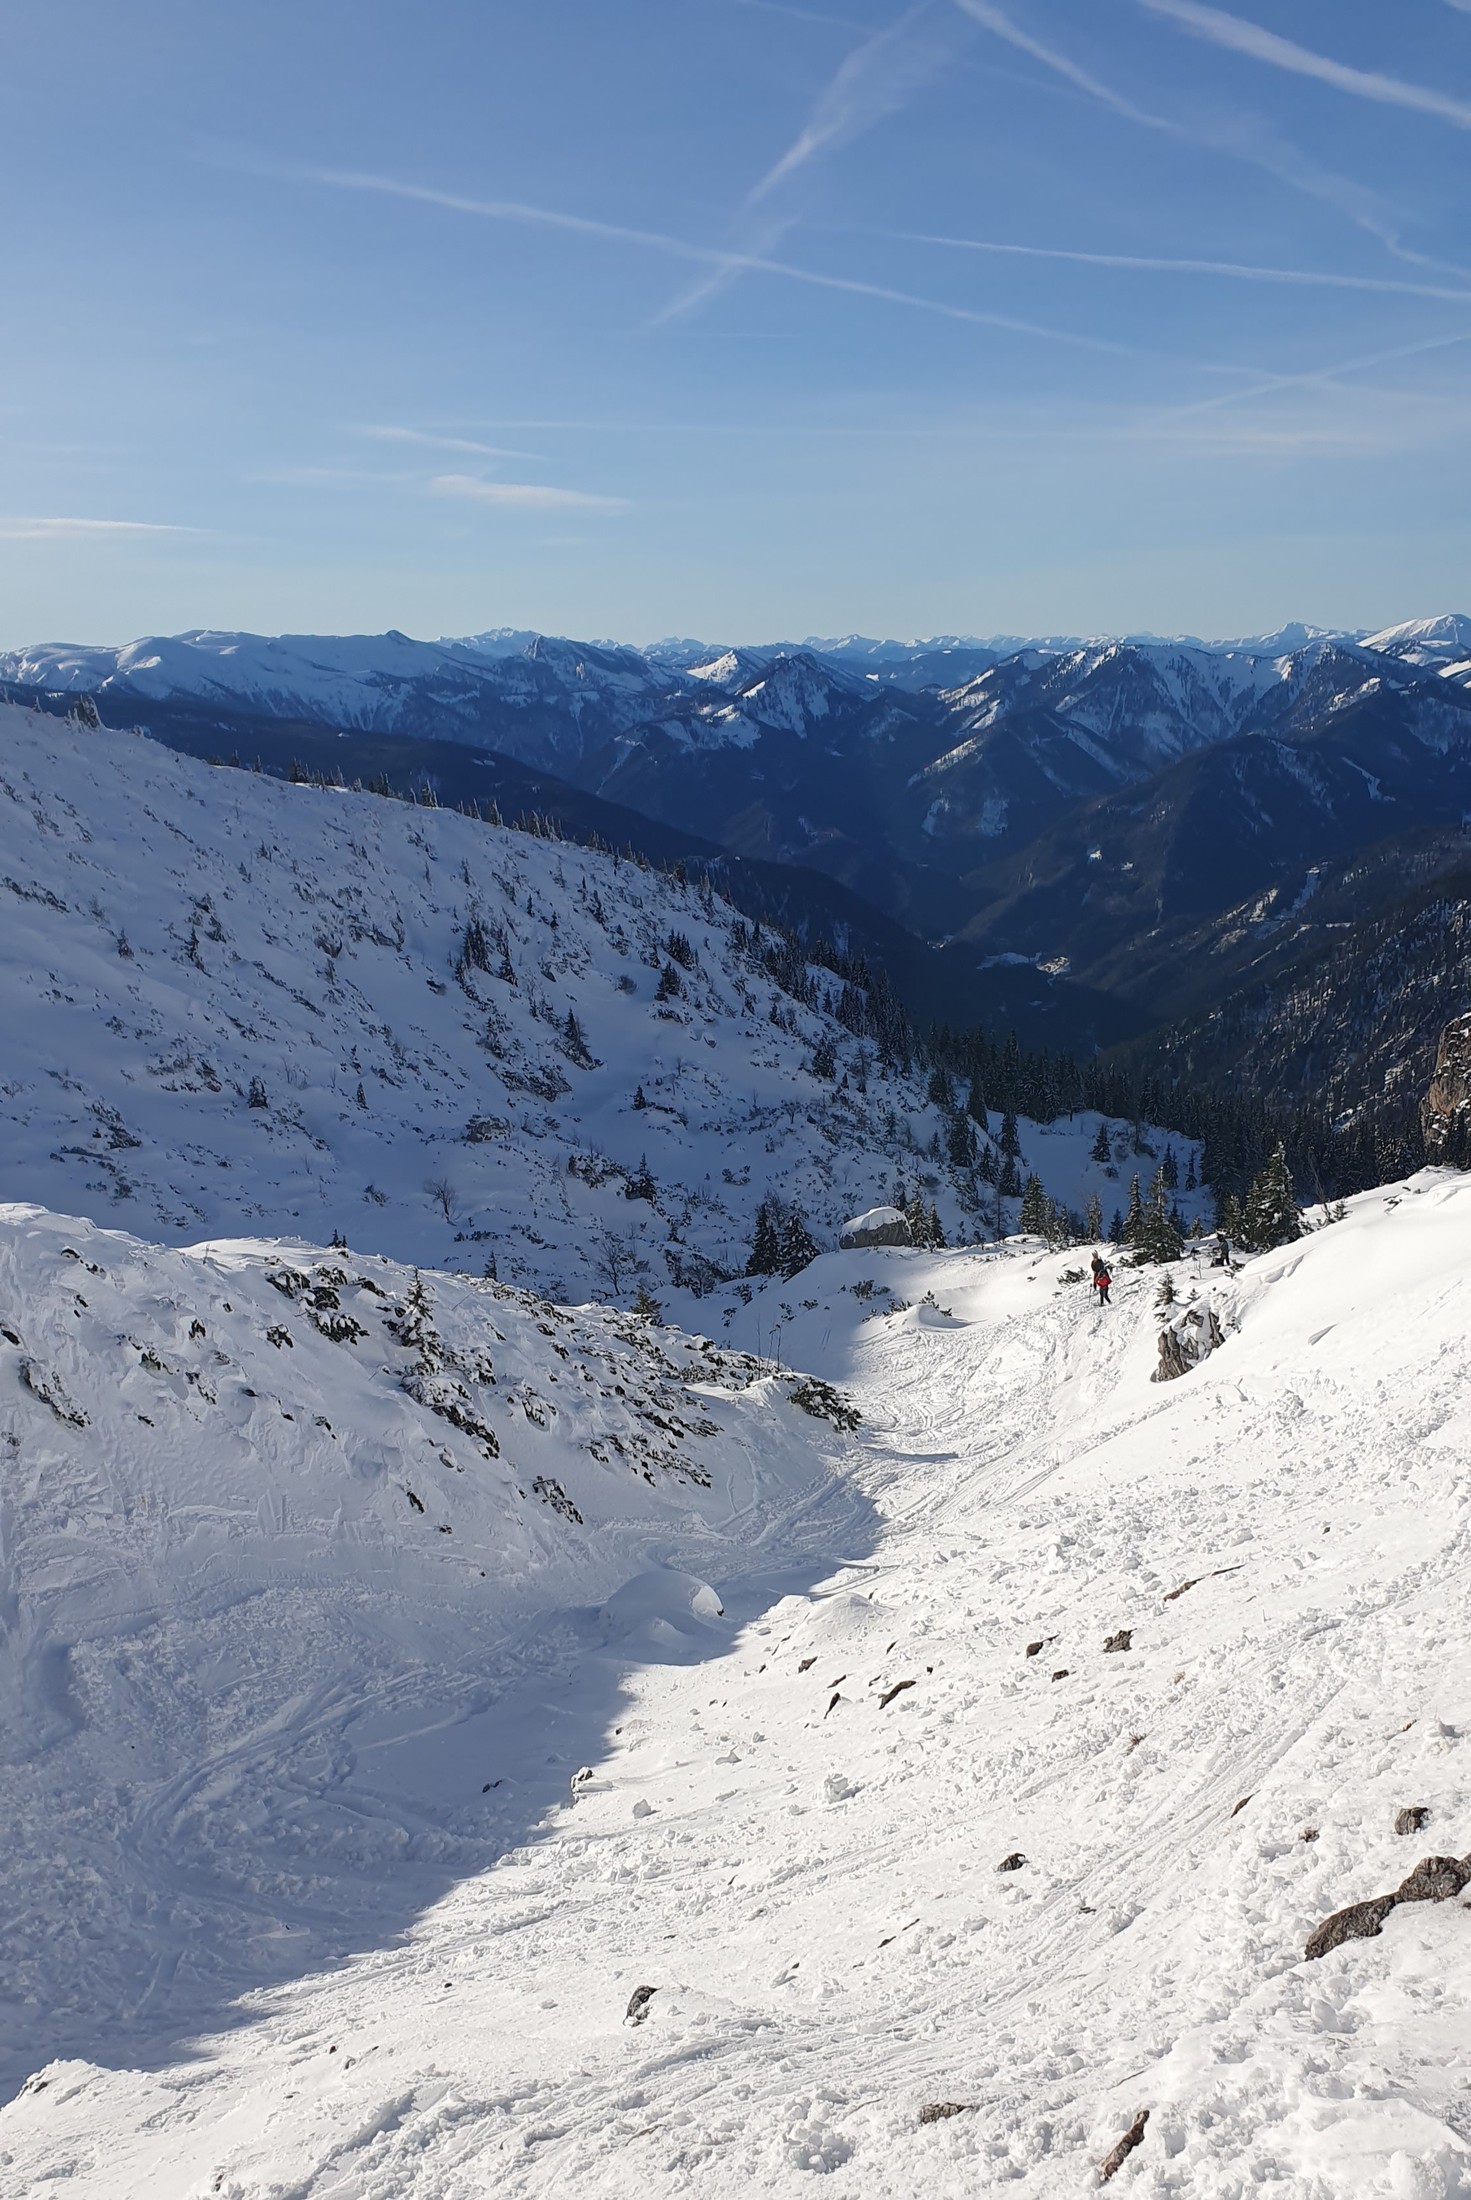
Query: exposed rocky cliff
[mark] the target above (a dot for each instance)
(1445, 1113)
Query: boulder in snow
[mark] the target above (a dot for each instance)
(1186, 1341)
(880, 1226)
(1360, 1921)
(1434, 1879)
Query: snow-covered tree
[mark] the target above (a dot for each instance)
(798, 1245)
(1035, 1212)
(1156, 1236)
(1272, 1216)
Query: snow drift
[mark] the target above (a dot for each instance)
(998, 1837)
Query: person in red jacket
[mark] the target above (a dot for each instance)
(1102, 1280)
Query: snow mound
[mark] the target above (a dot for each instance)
(275, 1522)
(663, 1606)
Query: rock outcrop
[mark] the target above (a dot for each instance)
(1445, 1112)
(880, 1226)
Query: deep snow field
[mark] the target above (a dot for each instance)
(283, 1934)
(172, 935)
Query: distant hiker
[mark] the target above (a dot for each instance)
(1101, 1280)
(1221, 1257)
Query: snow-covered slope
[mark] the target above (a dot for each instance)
(1008, 1824)
(233, 1005)
(276, 1532)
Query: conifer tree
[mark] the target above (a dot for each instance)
(638, 1099)
(1272, 1216)
(574, 1039)
(1010, 1183)
(1134, 1214)
(765, 1243)
(1170, 1168)
(1101, 1150)
(1230, 1220)
(641, 1185)
(1034, 1213)
(961, 1142)
(825, 1059)
(1094, 1223)
(1156, 1237)
(1008, 1141)
(798, 1245)
(669, 987)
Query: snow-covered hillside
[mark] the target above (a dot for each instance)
(233, 1006)
(935, 1867)
(278, 1538)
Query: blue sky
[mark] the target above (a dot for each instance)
(734, 317)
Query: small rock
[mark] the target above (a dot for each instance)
(1012, 1863)
(1034, 1647)
(1123, 1640)
(935, 2112)
(805, 1662)
(638, 2004)
(890, 1693)
(1360, 1921)
(1411, 1819)
(1434, 1879)
(641, 1809)
(1309, 1833)
(1116, 2158)
(1061, 1674)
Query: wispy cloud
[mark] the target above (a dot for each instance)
(876, 80)
(69, 530)
(423, 440)
(1245, 139)
(521, 496)
(996, 20)
(1239, 36)
(1234, 270)
(581, 225)
(1328, 377)
(815, 15)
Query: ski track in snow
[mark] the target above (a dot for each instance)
(810, 1883)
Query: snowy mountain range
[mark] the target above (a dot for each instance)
(1059, 834)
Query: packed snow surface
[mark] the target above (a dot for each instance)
(893, 1831)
